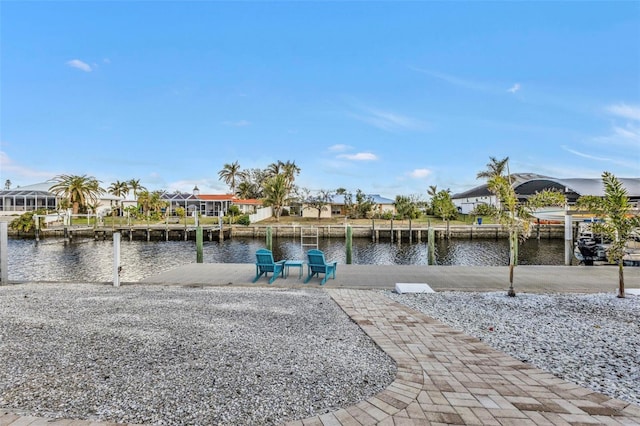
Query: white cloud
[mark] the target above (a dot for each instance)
(388, 121)
(583, 155)
(205, 186)
(623, 162)
(360, 156)
(17, 173)
(77, 63)
(340, 148)
(631, 112)
(514, 88)
(454, 80)
(239, 123)
(419, 173)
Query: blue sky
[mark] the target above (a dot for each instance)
(387, 97)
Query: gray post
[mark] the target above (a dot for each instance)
(431, 251)
(349, 245)
(4, 251)
(199, 244)
(568, 239)
(116, 259)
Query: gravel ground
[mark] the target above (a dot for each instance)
(592, 340)
(173, 355)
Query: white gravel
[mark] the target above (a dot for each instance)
(592, 340)
(172, 355)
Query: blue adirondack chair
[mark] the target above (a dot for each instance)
(265, 264)
(318, 265)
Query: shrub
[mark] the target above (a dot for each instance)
(484, 210)
(244, 220)
(25, 222)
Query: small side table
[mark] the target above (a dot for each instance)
(295, 264)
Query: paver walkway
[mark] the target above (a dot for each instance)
(446, 377)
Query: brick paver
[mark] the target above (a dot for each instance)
(447, 377)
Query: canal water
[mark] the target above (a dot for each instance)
(92, 261)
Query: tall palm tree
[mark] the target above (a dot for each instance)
(231, 174)
(274, 169)
(79, 190)
(495, 167)
(135, 187)
(290, 171)
(118, 189)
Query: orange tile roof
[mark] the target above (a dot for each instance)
(224, 197)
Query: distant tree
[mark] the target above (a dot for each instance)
(151, 202)
(135, 187)
(7, 184)
(79, 190)
(619, 220)
(118, 189)
(252, 184)
(407, 207)
(231, 175)
(276, 194)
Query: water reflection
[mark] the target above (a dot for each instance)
(89, 260)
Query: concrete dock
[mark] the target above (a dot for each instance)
(532, 279)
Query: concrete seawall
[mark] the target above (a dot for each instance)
(375, 233)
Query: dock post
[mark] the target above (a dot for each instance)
(221, 232)
(373, 230)
(349, 246)
(410, 232)
(37, 223)
(431, 251)
(4, 253)
(568, 239)
(391, 233)
(269, 241)
(199, 244)
(66, 221)
(116, 259)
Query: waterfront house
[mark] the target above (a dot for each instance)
(527, 184)
(338, 207)
(38, 196)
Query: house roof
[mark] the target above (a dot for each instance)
(250, 202)
(376, 198)
(216, 197)
(530, 183)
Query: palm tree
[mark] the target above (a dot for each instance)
(276, 194)
(274, 169)
(118, 189)
(516, 216)
(290, 171)
(79, 190)
(230, 174)
(135, 187)
(494, 168)
(619, 224)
